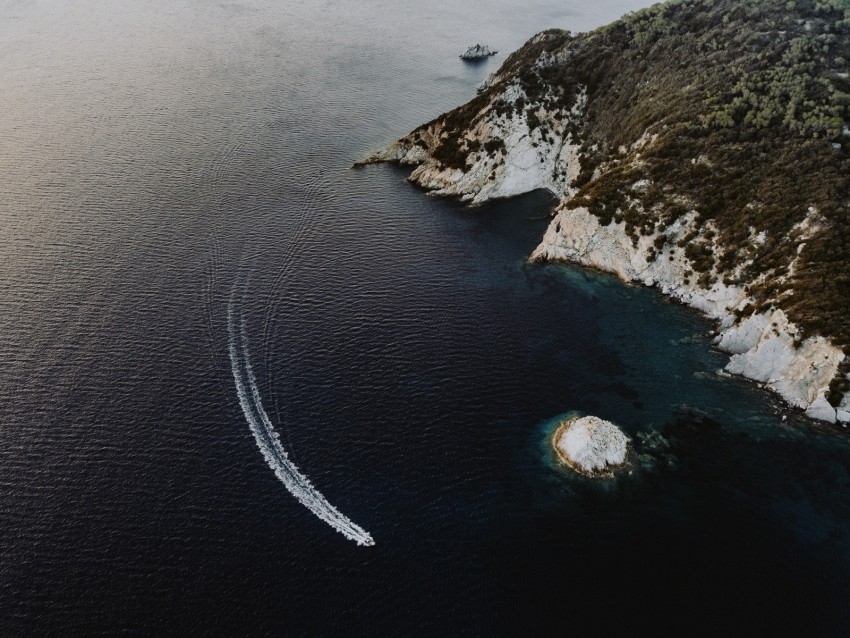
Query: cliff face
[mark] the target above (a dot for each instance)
(699, 147)
(492, 148)
(763, 346)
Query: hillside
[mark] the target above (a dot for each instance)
(699, 146)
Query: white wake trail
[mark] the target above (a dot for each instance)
(269, 442)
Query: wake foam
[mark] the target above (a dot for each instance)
(269, 442)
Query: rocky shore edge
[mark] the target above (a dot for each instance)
(485, 150)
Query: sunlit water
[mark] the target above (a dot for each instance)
(157, 156)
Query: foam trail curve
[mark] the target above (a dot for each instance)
(269, 442)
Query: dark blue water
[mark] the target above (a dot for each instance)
(160, 161)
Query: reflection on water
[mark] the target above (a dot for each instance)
(153, 154)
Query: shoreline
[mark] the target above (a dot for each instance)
(630, 179)
(563, 459)
(726, 326)
(762, 348)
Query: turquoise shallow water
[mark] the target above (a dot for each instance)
(158, 156)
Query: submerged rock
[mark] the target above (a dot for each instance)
(590, 445)
(477, 52)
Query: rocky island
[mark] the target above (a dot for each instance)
(477, 52)
(699, 146)
(591, 446)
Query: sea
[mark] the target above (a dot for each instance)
(246, 390)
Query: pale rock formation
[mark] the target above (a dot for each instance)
(477, 52)
(821, 410)
(591, 445)
(763, 346)
(530, 160)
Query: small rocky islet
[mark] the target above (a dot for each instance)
(591, 446)
(477, 52)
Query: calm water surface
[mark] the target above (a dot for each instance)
(156, 156)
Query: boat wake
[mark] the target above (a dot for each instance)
(269, 442)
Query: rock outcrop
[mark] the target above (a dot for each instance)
(477, 52)
(591, 446)
(519, 158)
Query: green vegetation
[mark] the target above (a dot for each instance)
(737, 110)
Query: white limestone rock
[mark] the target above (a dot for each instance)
(486, 83)
(590, 445)
(821, 410)
(477, 52)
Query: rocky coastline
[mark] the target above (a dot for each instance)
(521, 135)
